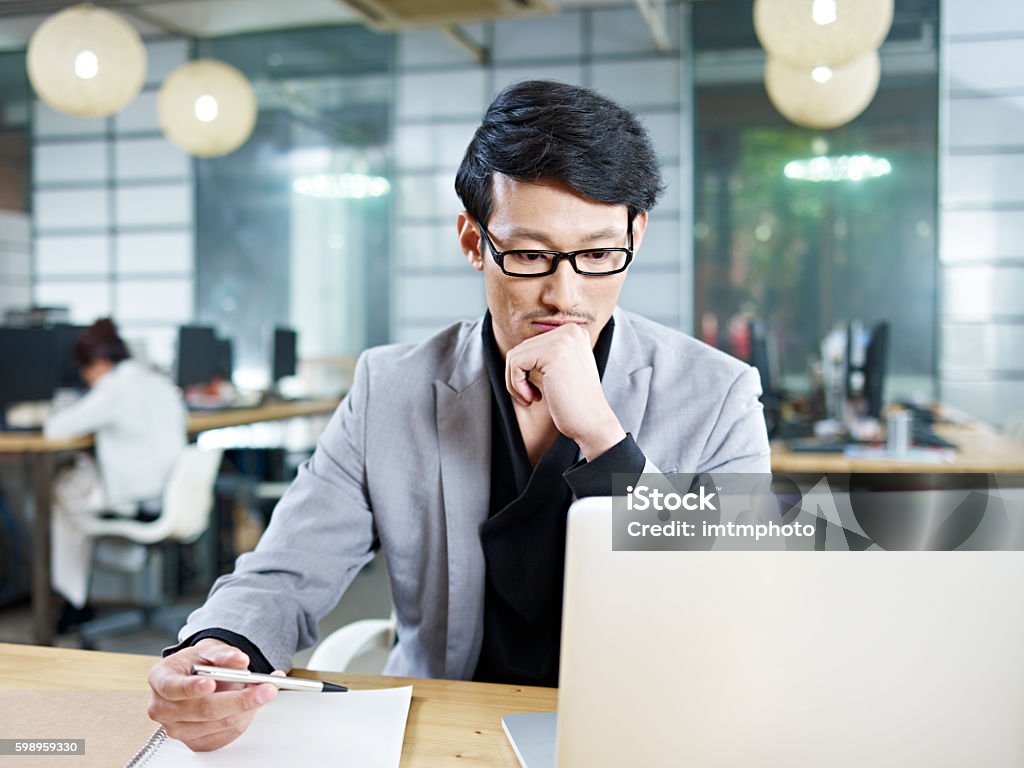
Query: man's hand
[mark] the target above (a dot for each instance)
(558, 367)
(203, 713)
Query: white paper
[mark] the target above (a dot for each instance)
(358, 728)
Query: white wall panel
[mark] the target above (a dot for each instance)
(651, 294)
(155, 206)
(442, 297)
(991, 401)
(140, 115)
(150, 159)
(87, 300)
(981, 235)
(458, 93)
(983, 179)
(982, 293)
(563, 73)
(432, 145)
(541, 37)
(981, 347)
(984, 17)
(987, 66)
(71, 161)
(169, 300)
(155, 252)
(46, 122)
(57, 209)
(623, 30)
(982, 123)
(638, 84)
(58, 255)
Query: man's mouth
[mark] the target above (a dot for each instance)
(553, 323)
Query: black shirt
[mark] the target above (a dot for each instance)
(524, 536)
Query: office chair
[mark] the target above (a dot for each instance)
(338, 651)
(128, 546)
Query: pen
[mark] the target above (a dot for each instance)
(252, 678)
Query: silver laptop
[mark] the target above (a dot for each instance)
(794, 659)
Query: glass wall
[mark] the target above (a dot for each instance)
(804, 255)
(292, 229)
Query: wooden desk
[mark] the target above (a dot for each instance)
(40, 456)
(451, 723)
(981, 449)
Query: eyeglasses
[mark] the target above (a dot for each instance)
(595, 262)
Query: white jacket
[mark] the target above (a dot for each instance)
(138, 418)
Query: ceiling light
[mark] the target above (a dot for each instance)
(207, 108)
(342, 185)
(840, 168)
(799, 31)
(86, 62)
(805, 97)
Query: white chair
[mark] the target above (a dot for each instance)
(337, 651)
(127, 545)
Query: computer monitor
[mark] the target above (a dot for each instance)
(283, 357)
(30, 362)
(225, 359)
(876, 361)
(199, 355)
(68, 376)
(764, 357)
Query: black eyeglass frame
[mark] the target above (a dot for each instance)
(570, 256)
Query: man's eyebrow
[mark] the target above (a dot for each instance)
(517, 233)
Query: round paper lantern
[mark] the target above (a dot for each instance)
(810, 33)
(207, 108)
(822, 97)
(86, 62)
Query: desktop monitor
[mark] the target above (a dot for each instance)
(225, 359)
(69, 376)
(764, 357)
(199, 355)
(30, 362)
(283, 356)
(876, 360)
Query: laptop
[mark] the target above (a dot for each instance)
(797, 659)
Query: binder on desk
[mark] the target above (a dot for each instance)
(364, 728)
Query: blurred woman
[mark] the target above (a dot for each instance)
(138, 419)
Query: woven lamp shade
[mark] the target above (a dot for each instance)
(207, 108)
(803, 100)
(788, 29)
(86, 62)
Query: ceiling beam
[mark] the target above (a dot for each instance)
(480, 53)
(653, 12)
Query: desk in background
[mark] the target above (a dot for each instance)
(39, 457)
(451, 723)
(981, 449)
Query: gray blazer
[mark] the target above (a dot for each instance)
(404, 465)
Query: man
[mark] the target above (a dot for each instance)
(460, 456)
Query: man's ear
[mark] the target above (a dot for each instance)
(639, 227)
(469, 241)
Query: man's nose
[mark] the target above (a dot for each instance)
(562, 289)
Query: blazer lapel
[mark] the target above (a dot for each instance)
(464, 440)
(627, 377)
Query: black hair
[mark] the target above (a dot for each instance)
(541, 129)
(100, 341)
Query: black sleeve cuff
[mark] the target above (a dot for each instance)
(594, 478)
(257, 661)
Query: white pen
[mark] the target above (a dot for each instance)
(226, 675)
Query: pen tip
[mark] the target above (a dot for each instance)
(332, 688)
